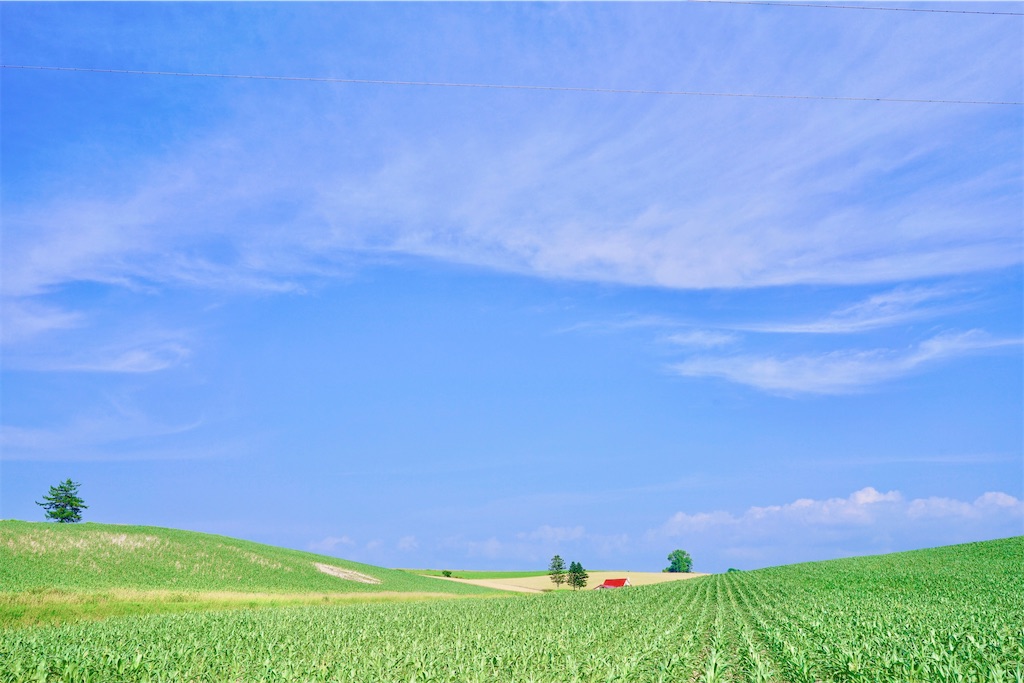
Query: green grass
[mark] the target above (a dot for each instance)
(36, 608)
(947, 614)
(58, 572)
(470, 574)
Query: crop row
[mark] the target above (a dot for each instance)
(905, 620)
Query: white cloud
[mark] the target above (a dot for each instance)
(332, 544)
(23, 320)
(408, 543)
(115, 431)
(890, 308)
(701, 338)
(836, 372)
(153, 358)
(615, 189)
(866, 521)
(991, 503)
(861, 508)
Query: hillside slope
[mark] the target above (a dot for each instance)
(89, 557)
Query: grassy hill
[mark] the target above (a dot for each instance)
(56, 571)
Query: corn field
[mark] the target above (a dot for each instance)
(951, 614)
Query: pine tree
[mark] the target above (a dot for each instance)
(556, 570)
(63, 503)
(577, 576)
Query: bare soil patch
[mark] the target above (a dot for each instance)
(346, 574)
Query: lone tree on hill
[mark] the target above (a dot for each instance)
(577, 576)
(681, 562)
(556, 570)
(63, 503)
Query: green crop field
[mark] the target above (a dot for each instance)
(60, 572)
(946, 614)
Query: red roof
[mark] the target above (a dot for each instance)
(615, 583)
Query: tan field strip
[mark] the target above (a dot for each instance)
(541, 584)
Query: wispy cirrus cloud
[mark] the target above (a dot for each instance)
(836, 372)
(111, 431)
(615, 190)
(566, 187)
(138, 360)
(887, 309)
(93, 351)
(23, 320)
(833, 371)
(701, 338)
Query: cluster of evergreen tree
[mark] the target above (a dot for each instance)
(576, 576)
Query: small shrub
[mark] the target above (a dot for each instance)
(447, 573)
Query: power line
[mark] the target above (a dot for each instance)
(860, 7)
(497, 86)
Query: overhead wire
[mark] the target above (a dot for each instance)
(499, 86)
(816, 5)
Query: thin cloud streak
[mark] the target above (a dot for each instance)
(141, 359)
(113, 433)
(887, 309)
(701, 339)
(836, 372)
(24, 320)
(891, 308)
(618, 195)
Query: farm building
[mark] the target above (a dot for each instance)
(613, 583)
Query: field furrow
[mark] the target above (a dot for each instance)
(901, 618)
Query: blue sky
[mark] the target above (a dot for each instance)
(470, 328)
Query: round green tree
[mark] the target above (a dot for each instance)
(681, 562)
(63, 504)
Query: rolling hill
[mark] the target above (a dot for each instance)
(57, 572)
